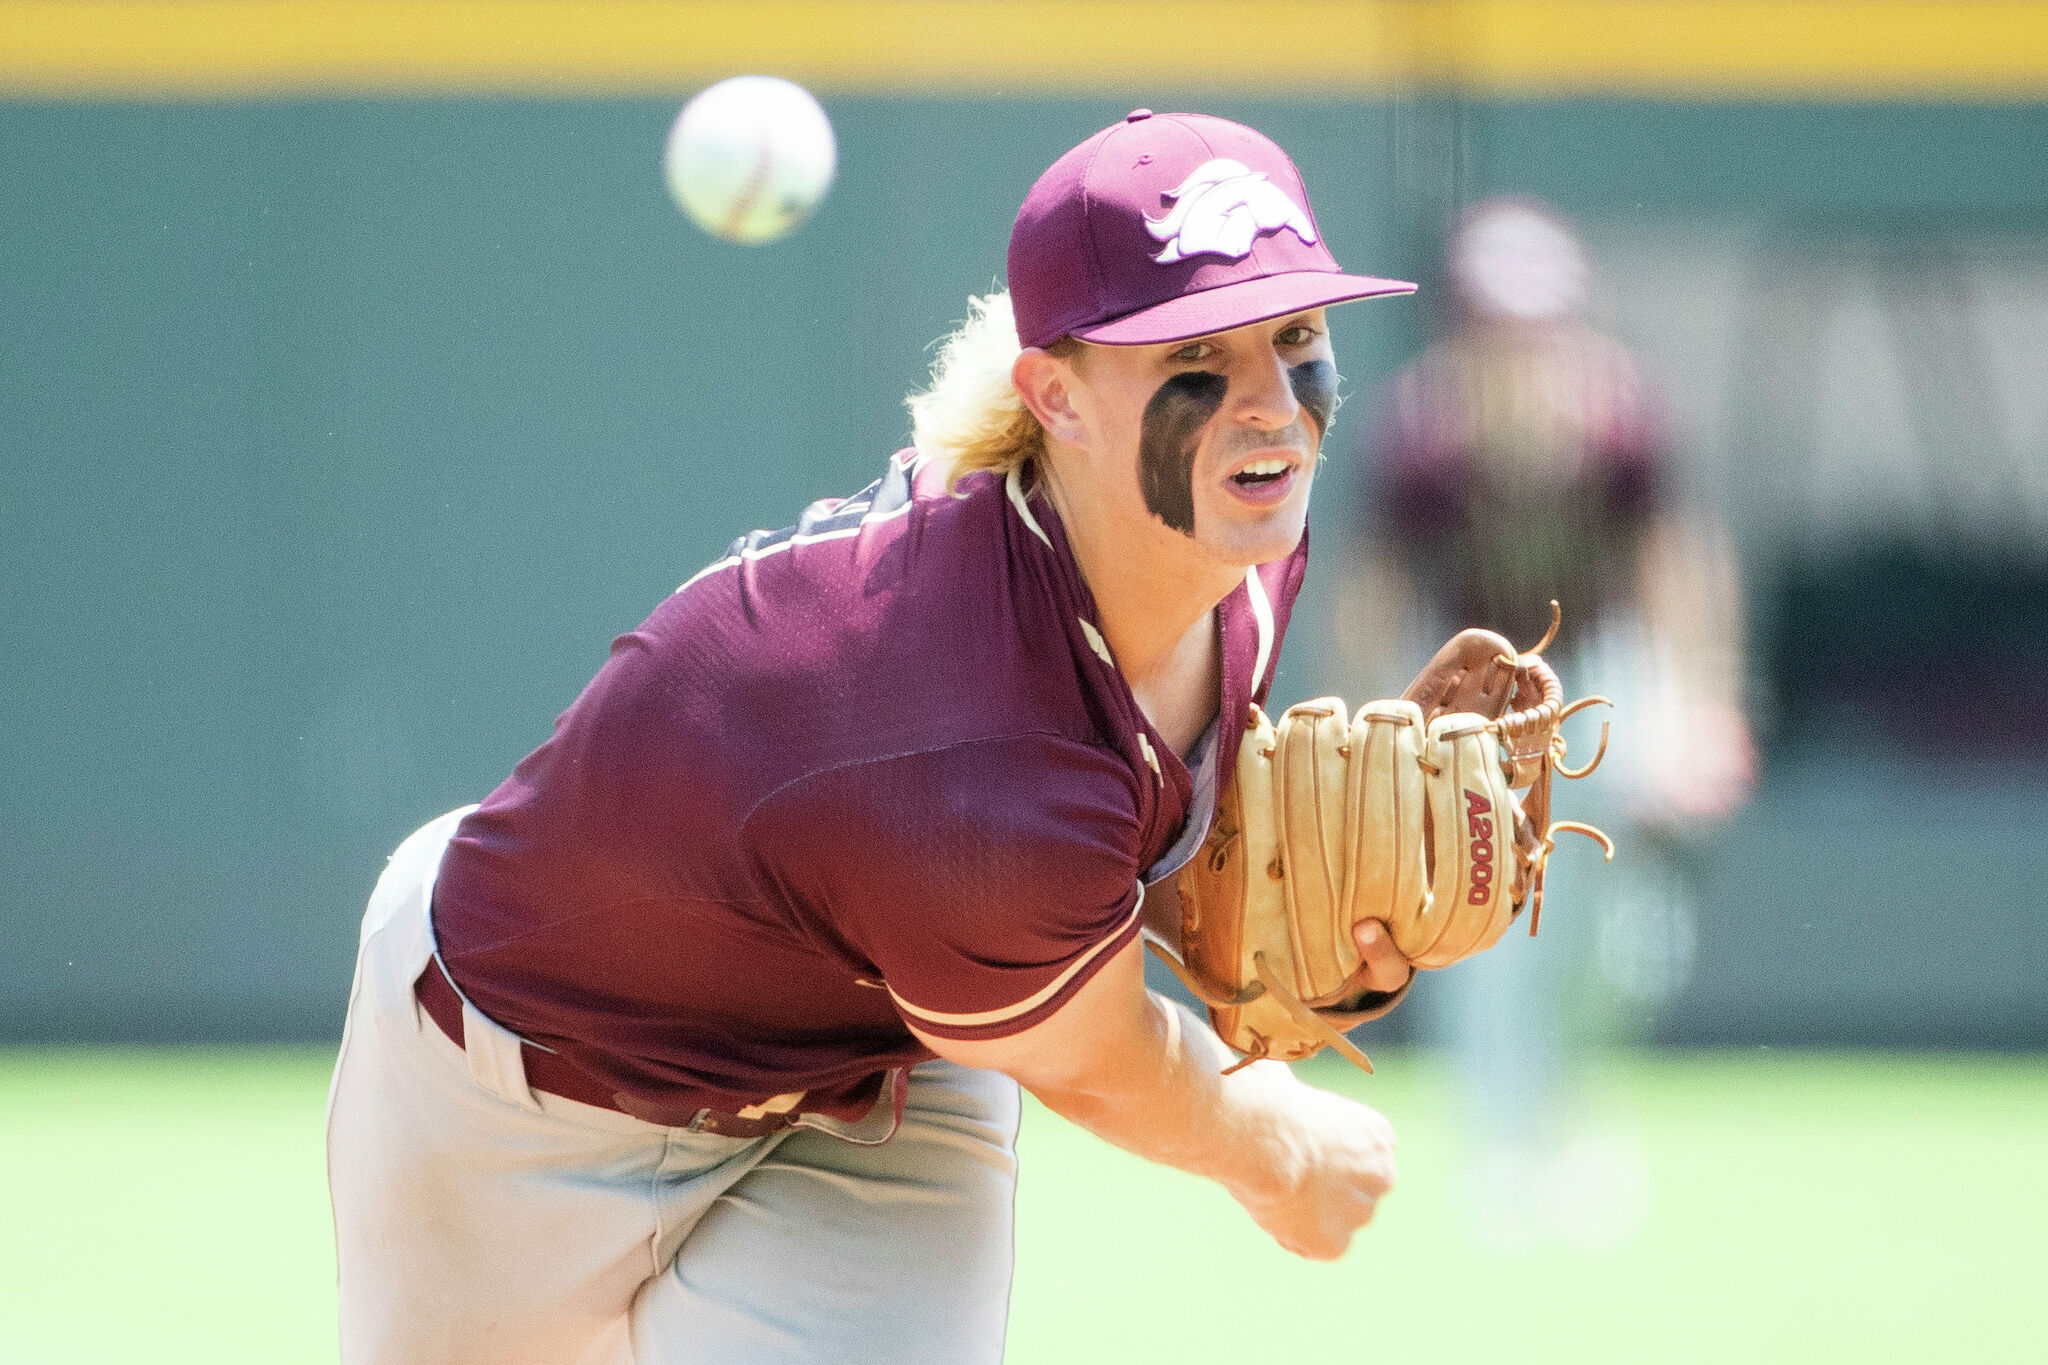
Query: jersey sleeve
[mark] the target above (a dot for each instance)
(986, 882)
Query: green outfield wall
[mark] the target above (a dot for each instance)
(338, 436)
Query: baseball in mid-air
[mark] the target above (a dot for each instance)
(749, 158)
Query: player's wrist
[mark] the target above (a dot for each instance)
(1272, 1148)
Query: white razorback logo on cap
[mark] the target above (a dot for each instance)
(1221, 209)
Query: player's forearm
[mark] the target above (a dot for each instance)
(1144, 1074)
(1308, 1165)
(1162, 1095)
(1692, 602)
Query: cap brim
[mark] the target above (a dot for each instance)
(1239, 304)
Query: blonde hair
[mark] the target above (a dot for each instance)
(972, 418)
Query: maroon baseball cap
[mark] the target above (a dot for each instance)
(1170, 226)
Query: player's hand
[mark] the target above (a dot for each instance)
(1385, 967)
(1336, 1164)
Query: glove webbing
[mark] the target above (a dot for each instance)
(1545, 719)
(1512, 728)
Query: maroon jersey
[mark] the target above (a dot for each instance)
(874, 767)
(1516, 466)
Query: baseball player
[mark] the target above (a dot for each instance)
(700, 1038)
(1523, 458)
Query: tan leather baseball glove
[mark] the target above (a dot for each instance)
(1407, 812)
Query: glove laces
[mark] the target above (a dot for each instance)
(1533, 751)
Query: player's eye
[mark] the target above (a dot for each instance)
(1300, 334)
(1192, 353)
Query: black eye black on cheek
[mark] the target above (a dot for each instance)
(1315, 387)
(1168, 439)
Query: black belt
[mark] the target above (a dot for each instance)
(550, 1072)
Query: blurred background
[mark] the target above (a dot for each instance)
(359, 382)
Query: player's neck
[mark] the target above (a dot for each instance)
(1180, 696)
(1155, 594)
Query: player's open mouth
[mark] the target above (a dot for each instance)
(1261, 472)
(1268, 479)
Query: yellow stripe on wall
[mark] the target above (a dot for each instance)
(626, 46)
(1743, 48)
(1924, 49)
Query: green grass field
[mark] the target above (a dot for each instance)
(168, 1206)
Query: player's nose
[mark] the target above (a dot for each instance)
(1260, 394)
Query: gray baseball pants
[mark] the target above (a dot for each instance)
(477, 1220)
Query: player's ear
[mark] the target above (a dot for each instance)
(1045, 383)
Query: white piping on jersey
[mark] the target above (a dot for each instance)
(779, 1104)
(811, 539)
(1013, 484)
(1037, 998)
(1101, 648)
(1262, 611)
(1097, 643)
(1151, 758)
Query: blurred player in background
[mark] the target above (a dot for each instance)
(1522, 459)
(700, 1039)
